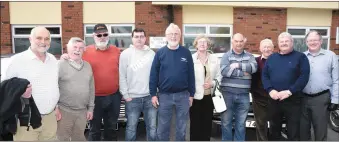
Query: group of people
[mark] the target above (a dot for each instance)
(88, 83)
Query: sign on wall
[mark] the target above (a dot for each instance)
(157, 42)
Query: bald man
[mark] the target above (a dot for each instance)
(236, 66)
(40, 68)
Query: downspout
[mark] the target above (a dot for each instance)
(170, 17)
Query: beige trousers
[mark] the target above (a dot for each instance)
(72, 125)
(46, 132)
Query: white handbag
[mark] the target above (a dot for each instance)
(218, 99)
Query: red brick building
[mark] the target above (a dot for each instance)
(218, 20)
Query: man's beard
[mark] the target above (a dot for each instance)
(102, 45)
(170, 43)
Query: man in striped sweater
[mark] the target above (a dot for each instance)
(236, 66)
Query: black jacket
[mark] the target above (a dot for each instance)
(11, 104)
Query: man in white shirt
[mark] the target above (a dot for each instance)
(41, 69)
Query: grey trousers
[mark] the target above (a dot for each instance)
(314, 111)
(72, 125)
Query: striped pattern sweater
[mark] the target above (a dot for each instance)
(234, 79)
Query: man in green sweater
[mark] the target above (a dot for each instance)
(76, 85)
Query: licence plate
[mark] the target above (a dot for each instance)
(250, 124)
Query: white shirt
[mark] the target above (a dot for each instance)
(43, 76)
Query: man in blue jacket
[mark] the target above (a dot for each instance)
(284, 76)
(172, 73)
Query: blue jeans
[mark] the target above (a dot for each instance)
(108, 109)
(237, 108)
(133, 110)
(167, 101)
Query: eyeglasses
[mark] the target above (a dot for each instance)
(172, 34)
(102, 35)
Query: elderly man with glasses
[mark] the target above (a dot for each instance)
(172, 73)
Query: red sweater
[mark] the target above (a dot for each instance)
(105, 66)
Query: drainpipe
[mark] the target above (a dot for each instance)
(170, 17)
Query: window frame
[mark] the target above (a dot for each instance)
(14, 26)
(110, 34)
(308, 28)
(208, 34)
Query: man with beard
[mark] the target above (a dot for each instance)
(104, 59)
(172, 73)
(259, 95)
(284, 76)
(40, 68)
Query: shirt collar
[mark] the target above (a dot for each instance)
(321, 52)
(243, 52)
(30, 54)
(175, 48)
(100, 49)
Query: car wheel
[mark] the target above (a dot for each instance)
(334, 120)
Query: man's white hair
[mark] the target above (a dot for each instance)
(172, 26)
(285, 34)
(267, 41)
(33, 32)
(74, 40)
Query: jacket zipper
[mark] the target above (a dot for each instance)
(29, 118)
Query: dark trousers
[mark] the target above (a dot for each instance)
(260, 110)
(314, 111)
(289, 108)
(106, 108)
(6, 137)
(201, 114)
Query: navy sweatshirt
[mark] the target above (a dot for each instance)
(286, 72)
(172, 71)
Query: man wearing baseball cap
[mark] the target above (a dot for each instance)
(104, 59)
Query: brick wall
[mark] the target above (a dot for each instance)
(259, 23)
(335, 23)
(153, 18)
(5, 37)
(72, 21)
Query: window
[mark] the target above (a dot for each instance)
(220, 35)
(119, 34)
(21, 38)
(299, 33)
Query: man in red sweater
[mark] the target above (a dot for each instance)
(104, 59)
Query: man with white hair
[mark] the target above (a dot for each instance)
(76, 84)
(284, 76)
(104, 60)
(259, 95)
(40, 68)
(172, 73)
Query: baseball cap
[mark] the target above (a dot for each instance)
(98, 28)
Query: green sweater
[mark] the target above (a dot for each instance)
(76, 85)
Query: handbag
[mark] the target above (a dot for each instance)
(218, 99)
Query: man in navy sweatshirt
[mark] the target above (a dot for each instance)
(172, 73)
(284, 76)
